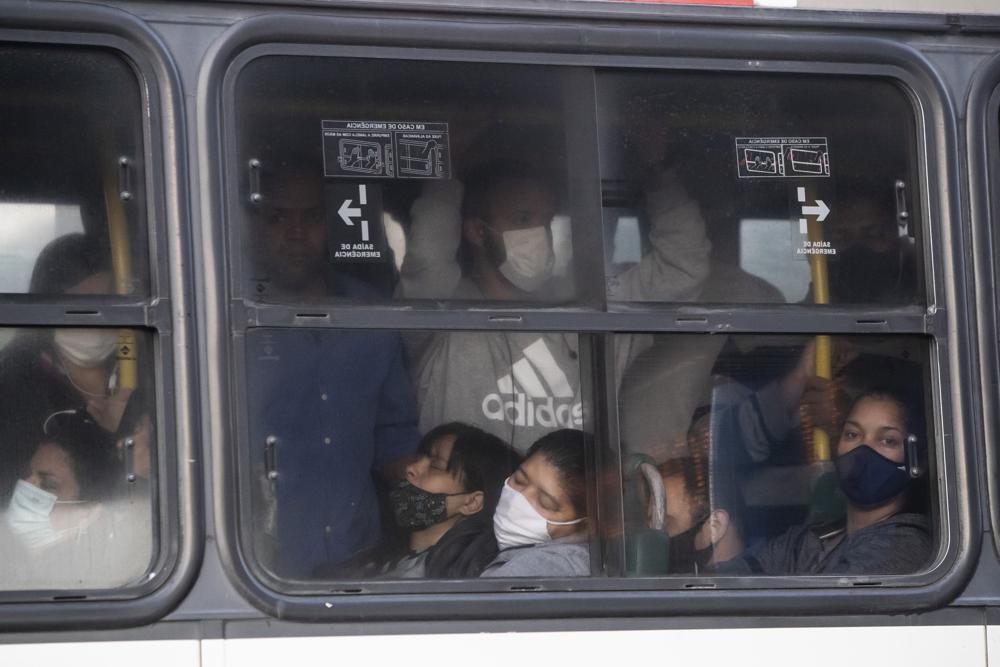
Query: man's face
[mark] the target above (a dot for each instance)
(517, 205)
(293, 235)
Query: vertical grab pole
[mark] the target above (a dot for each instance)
(116, 192)
(824, 352)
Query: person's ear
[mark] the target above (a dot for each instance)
(718, 525)
(473, 504)
(474, 231)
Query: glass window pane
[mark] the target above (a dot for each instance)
(375, 454)
(740, 459)
(72, 195)
(759, 189)
(77, 458)
(375, 180)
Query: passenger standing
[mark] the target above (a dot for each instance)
(337, 405)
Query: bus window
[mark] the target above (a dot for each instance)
(763, 468)
(471, 423)
(768, 189)
(374, 180)
(77, 460)
(71, 184)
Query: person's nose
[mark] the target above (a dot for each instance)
(413, 470)
(34, 480)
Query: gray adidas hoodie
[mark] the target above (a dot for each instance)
(520, 386)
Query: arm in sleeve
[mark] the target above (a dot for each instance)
(430, 267)
(678, 264)
(755, 422)
(396, 433)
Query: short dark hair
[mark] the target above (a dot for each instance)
(480, 461)
(66, 261)
(89, 447)
(565, 450)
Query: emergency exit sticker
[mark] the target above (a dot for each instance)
(782, 157)
(381, 149)
(354, 216)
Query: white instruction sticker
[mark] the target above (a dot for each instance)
(782, 157)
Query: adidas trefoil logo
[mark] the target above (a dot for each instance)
(536, 392)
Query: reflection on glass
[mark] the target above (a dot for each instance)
(66, 180)
(778, 471)
(759, 189)
(415, 188)
(333, 437)
(77, 459)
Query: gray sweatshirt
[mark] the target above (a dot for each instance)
(565, 557)
(520, 386)
(900, 544)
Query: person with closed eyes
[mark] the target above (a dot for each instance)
(540, 523)
(877, 535)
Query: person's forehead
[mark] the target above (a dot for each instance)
(50, 457)
(520, 193)
(882, 411)
(295, 194)
(441, 447)
(542, 474)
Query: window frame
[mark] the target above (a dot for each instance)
(586, 44)
(983, 142)
(160, 314)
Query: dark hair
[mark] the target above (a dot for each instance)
(66, 261)
(709, 475)
(89, 447)
(480, 186)
(481, 462)
(565, 450)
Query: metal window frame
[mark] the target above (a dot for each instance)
(662, 46)
(162, 314)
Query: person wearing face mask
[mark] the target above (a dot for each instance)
(46, 370)
(540, 522)
(703, 524)
(492, 239)
(57, 503)
(875, 467)
(446, 502)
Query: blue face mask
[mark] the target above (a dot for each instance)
(869, 479)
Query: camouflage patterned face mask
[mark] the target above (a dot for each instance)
(416, 509)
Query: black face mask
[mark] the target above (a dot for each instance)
(684, 558)
(869, 479)
(860, 274)
(416, 509)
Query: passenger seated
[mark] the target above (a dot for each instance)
(540, 520)
(70, 471)
(446, 503)
(703, 525)
(878, 536)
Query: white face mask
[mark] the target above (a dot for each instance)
(86, 347)
(29, 515)
(529, 257)
(516, 523)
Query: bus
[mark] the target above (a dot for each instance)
(712, 285)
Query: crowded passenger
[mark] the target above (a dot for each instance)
(540, 522)
(46, 370)
(703, 513)
(493, 240)
(333, 406)
(875, 463)
(446, 504)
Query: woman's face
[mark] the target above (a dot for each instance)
(878, 423)
(51, 469)
(541, 483)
